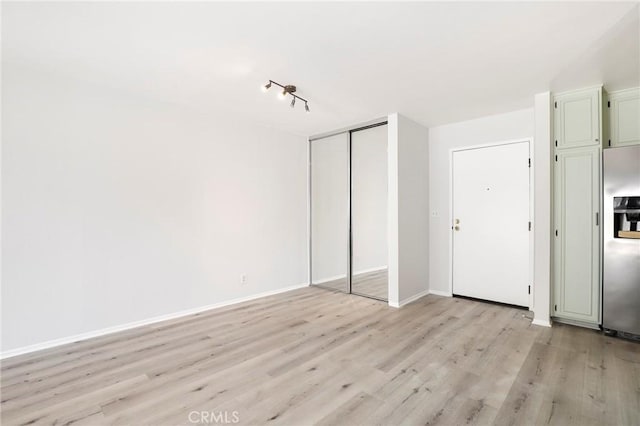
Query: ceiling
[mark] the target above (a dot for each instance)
(433, 62)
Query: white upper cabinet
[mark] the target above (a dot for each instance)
(624, 117)
(577, 118)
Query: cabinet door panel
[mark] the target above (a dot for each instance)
(624, 116)
(577, 201)
(576, 119)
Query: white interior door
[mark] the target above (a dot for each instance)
(491, 223)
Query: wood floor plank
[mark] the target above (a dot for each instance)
(354, 411)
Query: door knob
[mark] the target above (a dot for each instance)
(457, 228)
(457, 221)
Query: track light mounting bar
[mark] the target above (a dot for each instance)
(288, 89)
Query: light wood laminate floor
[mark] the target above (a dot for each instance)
(313, 356)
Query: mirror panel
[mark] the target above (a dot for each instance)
(330, 212)
(369, 212)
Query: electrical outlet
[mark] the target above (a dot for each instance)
(434, 213)
(243, 279)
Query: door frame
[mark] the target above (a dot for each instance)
(529, 141)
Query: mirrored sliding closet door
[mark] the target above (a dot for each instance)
(369, 212)
(349, 211)
(330, 212)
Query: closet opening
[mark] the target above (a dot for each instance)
(348, 211)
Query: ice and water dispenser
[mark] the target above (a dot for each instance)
(626, 215)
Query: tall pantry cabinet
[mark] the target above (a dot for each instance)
(577, 123)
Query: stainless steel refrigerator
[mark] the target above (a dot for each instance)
(621, 242)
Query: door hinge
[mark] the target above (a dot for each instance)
(555, 307)
(556, 142)
(529, 289)
(556, 232)
(608, 104)
(609, 142)
(529, 162)
(555, 105)
(529, 226)
(556, 158)
(597, 218)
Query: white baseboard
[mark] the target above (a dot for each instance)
(440, 293)
(408, 300)
(338, 277)
(109, 330)
(414, 298)
(375, 269)
(577, 323)
(541, 322)
(329, 279)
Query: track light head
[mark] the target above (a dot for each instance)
(306, 107)
(266, 86)
(282, 95)
(293, 102)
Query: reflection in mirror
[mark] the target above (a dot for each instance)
(330, 212)
(369, 212)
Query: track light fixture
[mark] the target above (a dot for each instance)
(288, 89)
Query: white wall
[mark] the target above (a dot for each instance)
(369, 199)
(409, 210)
(495, 128)
(117, 209)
